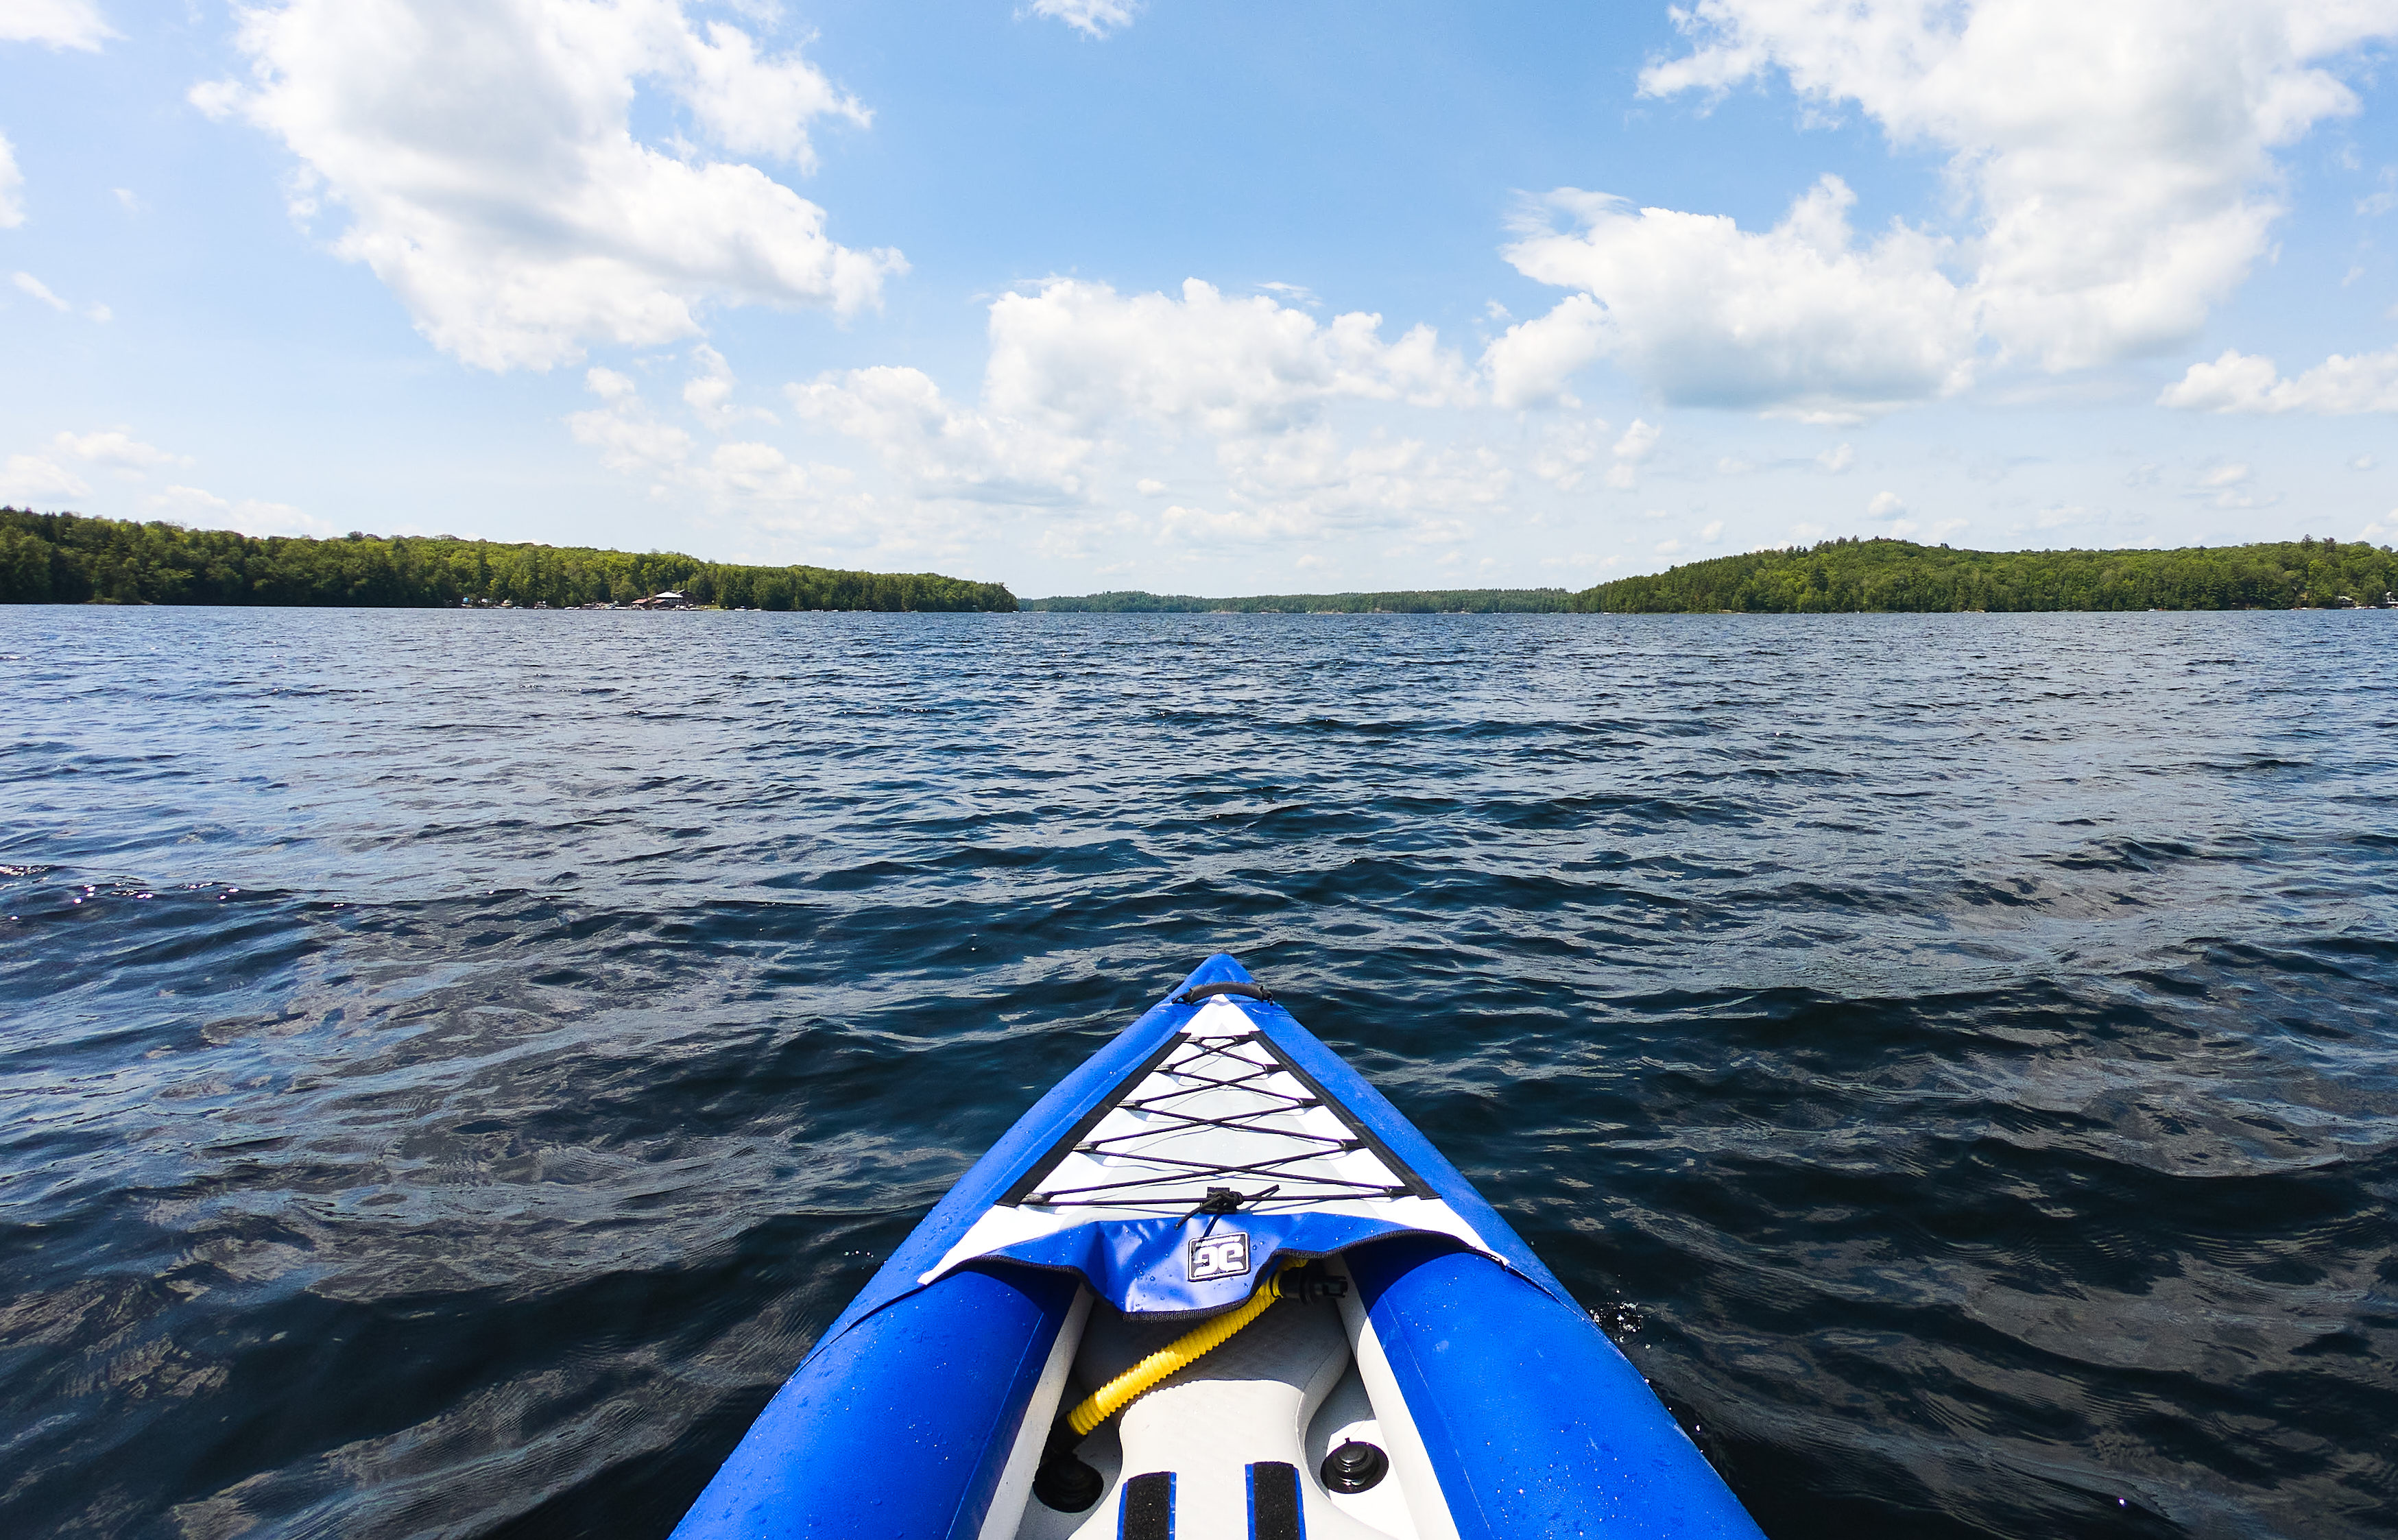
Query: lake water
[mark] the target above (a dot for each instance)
(452, 1064)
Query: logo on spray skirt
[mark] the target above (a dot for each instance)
(1224, 1254)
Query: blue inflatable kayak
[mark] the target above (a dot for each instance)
(1214, 1286)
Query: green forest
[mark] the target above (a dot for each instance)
(1840, 576)
(1409, 601)
(66, 559)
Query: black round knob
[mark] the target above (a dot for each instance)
(1066, 1485)
(1354, 1466)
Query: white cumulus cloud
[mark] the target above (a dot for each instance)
(1085, 387)
(1310, 485)
(1565, 450)
(60, 23)
(1079, 355)
(26, 479)
(195, 507)
(746, 471)
(1801, 316)
(630, 438)
(2114, 172)
(1531, 364)
(2340, 386)
(708, 393)
(117, 449)
(633, 441)
(1631, 452)
(941, 448)
(1079, 374)
(2229, 486)
(484, 154)
(55, 470)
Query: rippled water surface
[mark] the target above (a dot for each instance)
(452, 1064)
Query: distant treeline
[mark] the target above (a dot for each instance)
(1411, 602)
(65, 559)
(1900, 576)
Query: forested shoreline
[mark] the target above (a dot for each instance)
(1898, 575)
(1394, 601)
(67, 558)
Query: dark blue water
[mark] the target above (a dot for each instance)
(451, 1066)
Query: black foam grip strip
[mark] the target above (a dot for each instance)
(1148, 1507)
(1274, 1502)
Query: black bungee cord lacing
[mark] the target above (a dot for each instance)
(1171, 1183)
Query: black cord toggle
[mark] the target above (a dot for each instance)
(1221, 1201)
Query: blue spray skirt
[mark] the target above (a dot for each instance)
(1433, 1378)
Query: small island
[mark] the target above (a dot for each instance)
(1396, 601)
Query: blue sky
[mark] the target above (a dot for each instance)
(1212, 297)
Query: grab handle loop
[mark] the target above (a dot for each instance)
(1205, 991)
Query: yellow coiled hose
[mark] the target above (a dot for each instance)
(1130, 1385)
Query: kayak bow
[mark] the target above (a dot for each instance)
(1274, 1310)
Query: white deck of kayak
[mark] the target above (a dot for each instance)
(1220, 1110)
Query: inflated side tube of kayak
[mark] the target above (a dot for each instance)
(906, 1424)
(1532, 1420)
